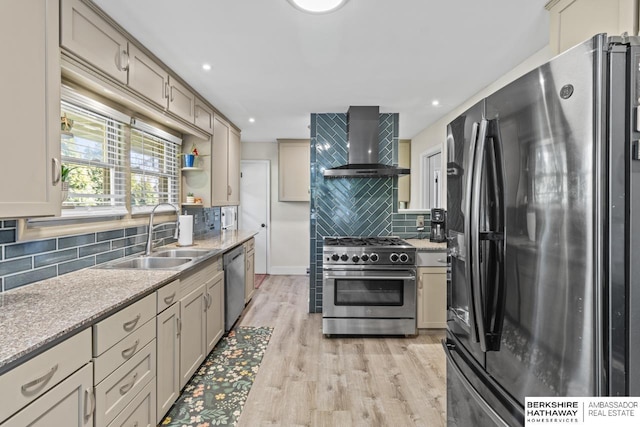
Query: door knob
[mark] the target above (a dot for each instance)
(263, 225)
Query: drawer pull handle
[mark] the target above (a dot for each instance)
(125, 388)
(442, 260)
(131, 324)
(169, 299)
(39, 383)
(88, 394)
(127, 353)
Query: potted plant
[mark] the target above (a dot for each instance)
(64, 180)
(190, 198)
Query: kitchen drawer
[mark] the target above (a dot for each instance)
(167, 295)
(124, 350)
(431, 259)
(118, 389)
(141, 411)
(26, 382)
(250, 245)
(114, 328)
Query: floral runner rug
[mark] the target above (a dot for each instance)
(216, 393)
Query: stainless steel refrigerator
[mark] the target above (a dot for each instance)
(543, 183)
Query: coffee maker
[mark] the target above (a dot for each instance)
(438, 225)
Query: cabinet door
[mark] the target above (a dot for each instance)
(204, 116)
(192, 333)
(219, 162)
(249, 276)
(215, 310)
(233, 169)
(181, 100)
(432, 297)
(69, 404)
(92, 38)
(31, 109)
(148, 78)
(294, 162)
(168, 373)
(574, 21)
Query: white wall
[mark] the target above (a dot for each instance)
(289, 251)
(436, 134)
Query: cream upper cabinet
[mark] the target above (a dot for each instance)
(181, 100)
(574, 21)
(225, 163)
(31, 110)
(148, 78)
(88, 35)
(233, 168)
(203, 116)
(294, 164)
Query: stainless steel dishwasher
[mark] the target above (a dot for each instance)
(233, 285)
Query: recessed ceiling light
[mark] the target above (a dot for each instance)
(317, 6)
(435, 102)
(206, 67)
(251, 120)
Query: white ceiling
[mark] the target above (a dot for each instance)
(277, 64)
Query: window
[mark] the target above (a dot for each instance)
(154, 171)
(94, 152)
(118, 164)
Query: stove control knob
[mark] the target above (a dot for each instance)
(394, 257)
(373, 257)
(404, 257)
(355, 258)
(364, 257)
(335, 257)
(344, 257)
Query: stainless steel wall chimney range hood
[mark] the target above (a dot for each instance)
(362, 136)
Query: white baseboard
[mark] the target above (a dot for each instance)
(288, 270)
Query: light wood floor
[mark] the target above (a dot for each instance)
(306, 379)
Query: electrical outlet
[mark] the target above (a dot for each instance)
(420, 221)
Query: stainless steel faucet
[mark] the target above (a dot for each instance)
(152, 227)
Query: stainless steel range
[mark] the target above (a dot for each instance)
(369, 286)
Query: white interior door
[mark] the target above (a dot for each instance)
(254, 207)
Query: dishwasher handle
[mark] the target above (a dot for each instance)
(232, 255)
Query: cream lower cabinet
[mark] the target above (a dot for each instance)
(215, 310)
(432, 297)
(68, 404)
(193, 348)
(54, 388)
(168, 342)
(250, 270)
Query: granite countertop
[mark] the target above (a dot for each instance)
(427, 245)
(39, 315)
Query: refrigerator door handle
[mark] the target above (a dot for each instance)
(496, 237)
(476, 282)
(470, 172)
(486, 408)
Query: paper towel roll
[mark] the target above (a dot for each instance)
(185, 230)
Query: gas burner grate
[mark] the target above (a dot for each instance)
(363, 241)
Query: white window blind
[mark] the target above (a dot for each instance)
(94, 150)
(154, 171)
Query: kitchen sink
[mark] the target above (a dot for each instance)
(181, 253)
(149, 263)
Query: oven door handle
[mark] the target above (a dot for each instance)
(372, 277)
